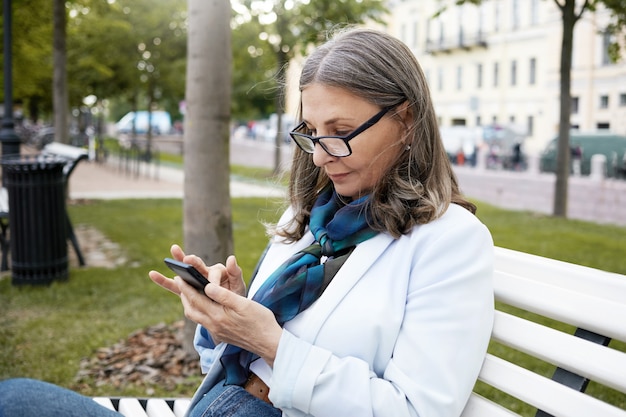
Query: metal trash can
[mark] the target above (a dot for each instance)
(37, 219)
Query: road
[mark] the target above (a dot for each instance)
(243, 151)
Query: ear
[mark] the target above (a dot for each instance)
(405, 113)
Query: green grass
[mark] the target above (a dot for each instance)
(46, 331)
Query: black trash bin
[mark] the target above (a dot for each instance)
(37, 219)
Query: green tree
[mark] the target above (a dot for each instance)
(291, 27)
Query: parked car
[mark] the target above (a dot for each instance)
(161, 122)
(608, 144)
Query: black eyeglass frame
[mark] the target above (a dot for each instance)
(295, 135)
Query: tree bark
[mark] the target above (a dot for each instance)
(59, 76)
(207, 224)
(569, 18)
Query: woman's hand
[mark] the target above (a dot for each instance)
(223, 309)
(232, 318)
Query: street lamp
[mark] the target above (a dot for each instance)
(10, 141)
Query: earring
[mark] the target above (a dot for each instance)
(408, 147)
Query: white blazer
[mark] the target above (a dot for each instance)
(400, 331)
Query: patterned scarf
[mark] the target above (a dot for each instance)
(297, 283)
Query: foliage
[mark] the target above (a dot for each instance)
(133, 52)
(128, 49)
(617, 27)
(253, 91)
(31, 54)
(287, 28)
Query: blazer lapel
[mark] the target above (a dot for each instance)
(357, 264)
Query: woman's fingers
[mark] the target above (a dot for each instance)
(165, 282)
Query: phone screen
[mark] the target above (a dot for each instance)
(188, 273)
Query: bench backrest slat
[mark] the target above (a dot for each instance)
(608, 366)
(580, 309)
(542, 392)
(562, 274)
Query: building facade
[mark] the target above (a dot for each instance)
(498, 64)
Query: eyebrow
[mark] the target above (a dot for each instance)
(331, 121)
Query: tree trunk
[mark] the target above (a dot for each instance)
(563, 149)
(207, 224)
(59, 83)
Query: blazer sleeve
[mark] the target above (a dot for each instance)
(439, 347)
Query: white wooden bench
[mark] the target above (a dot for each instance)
(592, 304)
(70, 156)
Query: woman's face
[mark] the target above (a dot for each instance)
(332, 111)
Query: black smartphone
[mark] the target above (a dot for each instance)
(187, 272)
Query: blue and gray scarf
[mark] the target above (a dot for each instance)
(298, 282)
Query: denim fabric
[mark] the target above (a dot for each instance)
(32, 398)
(232, 401)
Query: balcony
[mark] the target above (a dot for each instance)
(461, 42)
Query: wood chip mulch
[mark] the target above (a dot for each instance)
(149, 357)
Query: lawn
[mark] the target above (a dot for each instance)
(46, 331)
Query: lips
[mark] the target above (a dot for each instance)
(336, 177)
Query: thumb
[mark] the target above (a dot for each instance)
(222, 296)
(232, 267)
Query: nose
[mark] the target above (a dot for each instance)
(320, 156)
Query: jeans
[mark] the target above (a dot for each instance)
(232, 401)
(32, 398)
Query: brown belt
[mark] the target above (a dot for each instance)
(255, 386)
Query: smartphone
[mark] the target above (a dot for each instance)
(187, 272)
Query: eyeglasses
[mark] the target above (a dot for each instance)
(333, 145)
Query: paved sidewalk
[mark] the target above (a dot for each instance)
(91, 180)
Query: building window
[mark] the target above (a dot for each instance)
(531, 125)
(478, 121)
(533, 71)
(604, 101)
(495, 74)
(496, 16)
(534, 12)
(479, 76)
(459, 77)
(603, 125)
(441, 33)
(515, 14)
(622, 99)
(440, 79)
(512, 119)
(606, 43)
(575, 105)
(513, 72)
